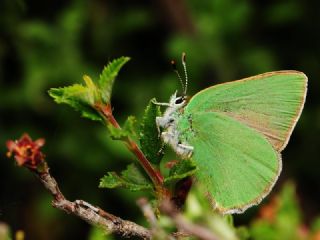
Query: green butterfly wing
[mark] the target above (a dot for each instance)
(237, 166)
(237, 130)
(271, 103)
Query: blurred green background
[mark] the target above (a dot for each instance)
(46, 44)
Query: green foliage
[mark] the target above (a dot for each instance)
(315, 226)
(180, 170)
(150, 141)
(83, 98)
(47, 44)
(99, 234)
(243, 233)
(108, 75)
(283, 219)
(131, 178)
(80, 97)
(279, 219)
(128, 130)
(199, 211)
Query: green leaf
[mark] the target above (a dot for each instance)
(97, 233)
(92, 88)
(128, 129)
(80, 97)
(83, 97)
(108, 76)
(198, 210)
(182, 169)
(131, 178)
(149, 135)
(130, 126)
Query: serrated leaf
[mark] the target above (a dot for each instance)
(117, 133)
(107, 77)
(128, 129)
(84, 97)
(182, 169)
(130, 126)
(131, 178)
(92, 88)
(133, 174)
(150, 141)
(80, 97)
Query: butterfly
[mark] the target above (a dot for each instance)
(235, 133)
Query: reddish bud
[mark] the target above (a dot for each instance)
(26, 152)
(171, 164)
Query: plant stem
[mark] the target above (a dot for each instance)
(154, 175)
(91, 214)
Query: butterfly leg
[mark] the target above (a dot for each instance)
(161, 104)
(158, 124)
(161, 150)
(185, 150)
(163, 122)
(182, 149)
(168, 138)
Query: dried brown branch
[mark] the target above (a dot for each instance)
(27, 154)
(91, 214)
(113, 224)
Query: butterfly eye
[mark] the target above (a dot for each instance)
(179, 100)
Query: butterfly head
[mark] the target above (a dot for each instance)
(177, 101)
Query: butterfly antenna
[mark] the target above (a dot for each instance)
(185, 73)
(174, 66)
